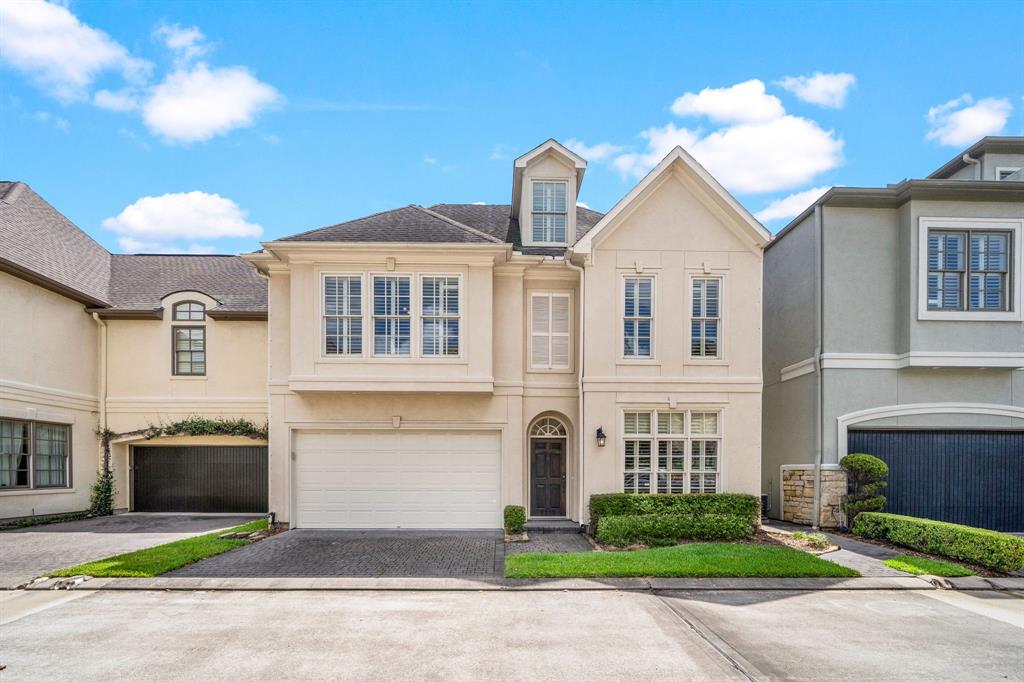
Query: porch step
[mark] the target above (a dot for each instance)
(553, 526)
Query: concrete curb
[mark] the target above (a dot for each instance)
(535, 585)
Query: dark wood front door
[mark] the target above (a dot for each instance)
(547, 473)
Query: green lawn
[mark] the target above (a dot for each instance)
(698, 560)
(154, 561)
(920, 566)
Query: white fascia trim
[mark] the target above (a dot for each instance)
(797, 369)
(1015, 226)
(845, 421)
(921, 359)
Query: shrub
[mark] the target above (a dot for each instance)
(988, 548)
(101, 495)
(815, 540)
(515, 518)
(747, 507)
(864, 474)
(665, 529)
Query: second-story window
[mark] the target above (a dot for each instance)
(550, 212)
(549, 331)
(189, 311)
(705, 322)
(440, 316)
(343, 315)
(392, 319)
(638, 317)
(968, 270)
(189, 351)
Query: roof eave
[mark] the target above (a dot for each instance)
(53, 285)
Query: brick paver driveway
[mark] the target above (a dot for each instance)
(27, 553)
(316, 553)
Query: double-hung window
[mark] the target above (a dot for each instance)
(706, 319)
(549, 331)
(392, 315)
(671, 451)
(34, 454)
(190, 351)
(638, 317)
(968, 270)
(550, 212)
(343, 315)
(439, 299)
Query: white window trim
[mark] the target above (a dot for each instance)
(526, 227)
(638, 359)
(1015, 286)
(418, 315)
(323, 315)
(414, 337)
(687, 436)
(721, 359)
(550, 367)
(1011, 169)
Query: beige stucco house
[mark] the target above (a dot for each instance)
(428, 366)
(92, 340)
(418, 368)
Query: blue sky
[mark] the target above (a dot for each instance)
(161, 126)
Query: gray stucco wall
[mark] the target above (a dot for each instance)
(989, 164)
(788, 431)
(789, 300)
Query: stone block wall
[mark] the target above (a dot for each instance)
(798, 496)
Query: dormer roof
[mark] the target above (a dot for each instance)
(550, 146)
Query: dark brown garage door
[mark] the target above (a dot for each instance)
(199, 479)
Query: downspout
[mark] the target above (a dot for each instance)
(579, 384)
(819, 343)
(970, 160)
(103, 371)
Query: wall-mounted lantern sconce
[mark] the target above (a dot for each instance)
(601, 438)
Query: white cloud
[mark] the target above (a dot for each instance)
(429, 160)
(479, 203)
(500, 152)
(198, 103)
(130, 245)
(788, 207)
(961, 121)
(180, 216)
(121, 100)
(582, 204)
(740, 103)
(597, 152)
(187, 43)
(824, 89)
(58, 122)
(62, 54)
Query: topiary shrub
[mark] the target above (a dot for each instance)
(864, 481)
(658, 530)
(988, 548)
(747, 507)
(515, 519)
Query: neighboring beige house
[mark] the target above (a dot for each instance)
(428, 366)
(425, 366)
(91, 340)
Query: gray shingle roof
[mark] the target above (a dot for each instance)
(496, 219)
(140, 282)
(35, 237)
(412, 223)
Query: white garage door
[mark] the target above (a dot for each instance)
(389, 479)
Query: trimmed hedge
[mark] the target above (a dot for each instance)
(748, 507)
(515, 519)
(666, 529)
(988, 548)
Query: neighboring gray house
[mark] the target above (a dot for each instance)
(893, 325)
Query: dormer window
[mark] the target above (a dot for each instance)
(189, 311)
(550, 213)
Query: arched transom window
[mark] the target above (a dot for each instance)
(189, 311)
(548, 427)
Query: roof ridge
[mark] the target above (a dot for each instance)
(456, 223)
(344, 222)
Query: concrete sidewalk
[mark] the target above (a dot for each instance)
(356, 584)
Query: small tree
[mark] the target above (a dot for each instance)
(101, 499)
(864, 482)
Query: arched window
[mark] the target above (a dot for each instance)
(548, 427)
(189, 311)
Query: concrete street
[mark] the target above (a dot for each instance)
(83, 635)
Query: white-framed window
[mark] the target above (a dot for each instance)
(637, 317)
(550, 212)
(440, 313)
(34, 454)
(969, 268)
(671, 451)
(550, 330)
(343, 315)
(392, 315)
(706, 318)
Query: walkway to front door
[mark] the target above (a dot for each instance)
(547, 473)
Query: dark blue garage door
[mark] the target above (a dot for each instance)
(970, 477)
